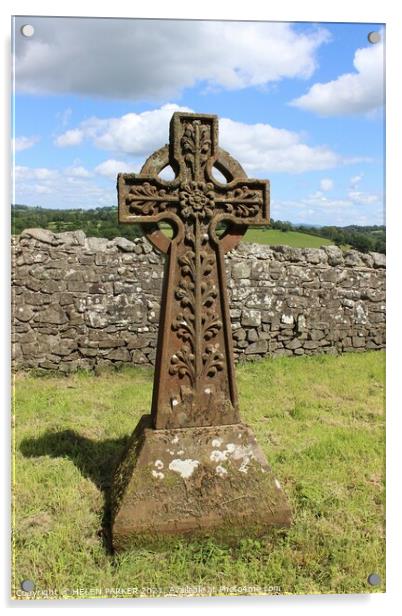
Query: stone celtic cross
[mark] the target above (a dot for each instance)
(192, 465)
(194, 381)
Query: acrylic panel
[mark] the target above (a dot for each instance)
(198, 237)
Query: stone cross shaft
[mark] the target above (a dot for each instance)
(194, 381)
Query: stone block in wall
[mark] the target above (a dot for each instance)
(250, 318)
(241, 269)
(334, 255)
(52, 314)
(379, 259)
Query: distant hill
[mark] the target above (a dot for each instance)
(102, 222)
(363, 238)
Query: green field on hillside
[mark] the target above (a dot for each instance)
(274, 237)
(320, 422)
(289, 238)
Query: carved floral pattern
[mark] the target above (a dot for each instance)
(183, 362)
(196, 144)
(193, 200)
(148, 200)
(242, 202)
(195, 342)
(197, 200)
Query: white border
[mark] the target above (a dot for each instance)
(286, 10)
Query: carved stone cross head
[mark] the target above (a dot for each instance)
(194, 381)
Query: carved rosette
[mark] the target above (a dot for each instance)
(197, 200)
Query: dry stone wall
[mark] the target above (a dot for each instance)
(86, 303)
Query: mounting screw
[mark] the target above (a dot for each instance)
(374, 579)
(374, 37)
(27, 30)
(27, 585)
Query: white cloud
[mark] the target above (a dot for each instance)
(133, 133)
(351, 198)
(260, 148)
(64, 116)
(110, 168)
(24, 143)
(263, 148)
(42, 190)
(317, 208)
(360, 197)
(364, 198)
(355, 181)
(152, 59)
(34, 173)
(318, 199)
(351, 93)
(71, 137)
(78, 172)
(326, 184)
(58, 188)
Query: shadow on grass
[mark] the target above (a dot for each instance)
(96, 460)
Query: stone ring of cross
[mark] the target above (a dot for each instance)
(230, 169)
(204, 197)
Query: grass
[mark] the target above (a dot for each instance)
(320, 421)
(274, 237)
(289, 238)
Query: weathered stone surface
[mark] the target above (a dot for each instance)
(355, 299)
(96, 243)
(72, 237)
(261, 346)
(24, 313)
(250, 318)
(54, 315)
(352, 257)
(42, 235)
(194, 402)
(119, 355)
(293, 344)
(194, 480)
(124, 244)
(241, 270)
(379, 259)
(335, 255)
(314, 255)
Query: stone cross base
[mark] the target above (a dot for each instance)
(194, 480)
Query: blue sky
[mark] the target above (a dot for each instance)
(300, 104)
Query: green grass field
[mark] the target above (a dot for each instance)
(289, 238)
(274, 237)
(320, 421)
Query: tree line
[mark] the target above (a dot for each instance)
(97, 222)
(103, 222)
(362, 238)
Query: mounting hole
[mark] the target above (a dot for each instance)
(374, 37)
(167, 174)
(27, 30)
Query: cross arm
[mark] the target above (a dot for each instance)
(244, 202)
(145, 199)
